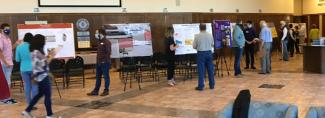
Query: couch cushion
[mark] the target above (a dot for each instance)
(316, 112)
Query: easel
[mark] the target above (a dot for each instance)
(221, 59)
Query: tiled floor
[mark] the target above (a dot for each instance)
(157, 100)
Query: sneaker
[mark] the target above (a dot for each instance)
(10, 101)
(105, 93)
(173, 81)
(246, 67)
(34, 108)
(198, 89)
(92, 93)
(170, 83)
(26, 114)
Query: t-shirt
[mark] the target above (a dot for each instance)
(40, 66)
(170, 41)
(24, 57)
(314, 34)
(203, 41)
(6, 48)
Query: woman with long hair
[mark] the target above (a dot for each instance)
(170, 55)
(40, 75)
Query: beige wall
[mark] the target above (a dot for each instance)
(228, 6)
(298, 7)
(311, 7)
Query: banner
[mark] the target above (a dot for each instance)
(130, 40)
(184, 37)
(58, 36)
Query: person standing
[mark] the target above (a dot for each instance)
(250, 35)
(103, 63)
(291, 41)
(238, 45)
(40, 75)
(284, 40)
(6, 50)
(302, 34)
(265, 48)
(297, 42)
(313, 34)
(5, 96)
(203, 43)
(24, 57)
(171, 46)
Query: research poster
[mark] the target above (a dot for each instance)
(222, 33)
(130, 40)
(58, 36)
(184, 36)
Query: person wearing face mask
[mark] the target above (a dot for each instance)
(265, 48)
(6, 51)
(284, 40)
(250, 35)
(238, 45)
(103, 62)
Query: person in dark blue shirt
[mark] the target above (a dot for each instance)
(250, 36)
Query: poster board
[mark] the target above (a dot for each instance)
(130, 40)
(222, 33)
(79, 3)
(273, 29)
(184, 37)
(302, 28)
(59, 36)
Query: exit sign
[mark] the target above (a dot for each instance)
(321, 3)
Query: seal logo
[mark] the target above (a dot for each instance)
(82, 24)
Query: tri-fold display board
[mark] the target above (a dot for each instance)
(130, 40)
(58, 36)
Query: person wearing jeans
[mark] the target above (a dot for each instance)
(238, 45)
(40, 75)
(203, 43)
(23, 56)
(265, 48)
(103, 63)
(284, 40)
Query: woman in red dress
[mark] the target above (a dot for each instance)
(4, 90)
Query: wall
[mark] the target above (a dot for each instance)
(311, 7)
(223, 6)
(297, 7)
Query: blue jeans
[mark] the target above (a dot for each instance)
(285, 53)
(44, 90)
(31, 89)
(102, 69)
(204, 61)
(266, 59)
(7, 72)
(238, 55)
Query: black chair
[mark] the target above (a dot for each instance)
(75, 71)
(160, 65)
(181, 66)
(145, 65)
(16, 77)
(57, 69)
(192, 66)
(129, 71)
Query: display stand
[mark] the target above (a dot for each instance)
(221, 60)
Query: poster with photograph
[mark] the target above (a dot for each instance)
(58, 36)
(130, 40)
(222, 33)
(184, 36)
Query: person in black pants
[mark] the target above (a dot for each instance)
(250, 35)
(296, 35)
(292, 39)
(170, 55)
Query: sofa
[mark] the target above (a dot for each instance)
(316, 112)
(259, 109)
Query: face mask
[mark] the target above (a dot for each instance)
(249, 26)
(264, 24)
(6, 31)
(99, 36)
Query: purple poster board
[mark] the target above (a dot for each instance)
(222, 33)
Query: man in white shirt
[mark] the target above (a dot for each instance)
(284, 40)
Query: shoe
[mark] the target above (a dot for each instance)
(198, 89)
(92, 93)
(10, 101)
(246, 67)
(48, 117)
(34, 108)
(253, 67)
(170, 83)
(261, 73)
(105, 93)
(26, 114)
(173, 81)
(211, 88)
